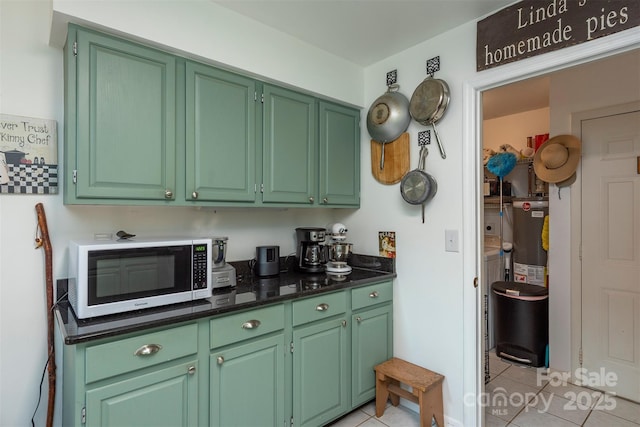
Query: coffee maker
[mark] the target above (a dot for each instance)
(311, 255)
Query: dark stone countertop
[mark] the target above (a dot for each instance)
(250, 291)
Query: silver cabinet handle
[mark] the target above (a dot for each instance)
(322, 307)
(147, 350)
(168, 194)
(220, 360)
(344, 323)
(311, 199)
(191, 370)
(251, 324)
(358, 319)
(325, 200)
(194, 194)
(373, 294)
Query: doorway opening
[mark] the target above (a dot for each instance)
(473, 179)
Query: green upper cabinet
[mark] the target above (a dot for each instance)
(339, 155)
(143, 126)
(120, 119)
(220, 135)
(289, 154)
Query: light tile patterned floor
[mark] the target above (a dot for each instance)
(515, 399)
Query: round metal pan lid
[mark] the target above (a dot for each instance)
(429, 101)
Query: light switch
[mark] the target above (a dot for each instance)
(451, 240)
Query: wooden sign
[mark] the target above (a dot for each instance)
(533, 27)
(28, 155)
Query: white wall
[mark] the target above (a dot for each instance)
(202, 30)
(428, 297)
(514, 129)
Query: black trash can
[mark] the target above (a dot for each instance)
(521, 322)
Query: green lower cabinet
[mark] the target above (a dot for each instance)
(320, 372)
(303, 362)
(247, 384)
(371, 344)
(164, 397)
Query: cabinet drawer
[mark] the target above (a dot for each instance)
(370, 295)
(249, 324)
(130, 354)
(320, 307)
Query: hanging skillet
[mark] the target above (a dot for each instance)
(429, 103)
(388, 118)
(417, 186)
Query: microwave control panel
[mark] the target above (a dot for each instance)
(200, 266)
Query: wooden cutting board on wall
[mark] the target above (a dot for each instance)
(396, 160)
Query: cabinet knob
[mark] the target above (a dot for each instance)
(251, 324)
(325, 200)
(168, 194)
(220, 360)
(311, 199)
(373, 294)
(344, 323)
(358, 319)
(322, 307)
(194, 194)
(147, 350)
(191, 370)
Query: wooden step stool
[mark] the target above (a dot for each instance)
(426, 389)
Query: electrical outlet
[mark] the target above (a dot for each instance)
(490, 228)
(451, 240)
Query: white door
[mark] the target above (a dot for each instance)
(611, 253)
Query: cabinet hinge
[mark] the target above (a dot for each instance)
(580, 356)
(291, 347)
(580, 252)
(291, 421)
(75, 176)
(75, 48)
(83, 415)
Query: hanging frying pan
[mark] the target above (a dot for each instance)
(388, 118)
(429, 103)
(417, 186)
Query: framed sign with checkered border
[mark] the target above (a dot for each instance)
(28, 155)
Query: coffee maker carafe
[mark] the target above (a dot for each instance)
(311, 254)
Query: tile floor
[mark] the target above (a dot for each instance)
(515, 399)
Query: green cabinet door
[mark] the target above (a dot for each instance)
(163, 397)
(339, 155)
(247, 384)
(123, 119)
(289, 155)
(220, 135)
(371, 344)
(320, 372)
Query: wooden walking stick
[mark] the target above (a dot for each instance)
(43, 240)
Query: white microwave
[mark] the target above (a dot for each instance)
(108, 277)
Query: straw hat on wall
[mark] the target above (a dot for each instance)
(557, 159)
